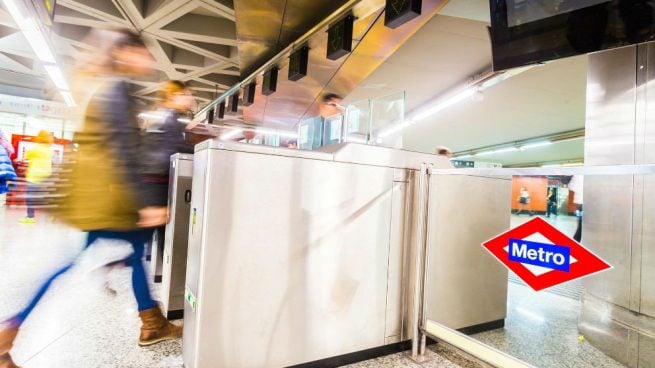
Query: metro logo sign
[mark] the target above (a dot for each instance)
(542, 256)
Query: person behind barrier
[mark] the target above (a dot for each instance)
(576, 185)
(106, 190)
(524, 201)
(551, 203)
(39, 168)
(7, 172)
(163, 136)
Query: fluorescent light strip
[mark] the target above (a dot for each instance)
(31, 31)
(445, 103)
(56, 76)
(281, 133)
(231, 134)
(68, 98)
(536, 145)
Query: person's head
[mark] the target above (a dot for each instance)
(176, 95)
(330, 105)
(130, 55)
(44, 137)
(524, 189)
(444, 151)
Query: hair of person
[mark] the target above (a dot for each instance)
(171, 87)
(44, 137)
(127, 38)
(330, 96)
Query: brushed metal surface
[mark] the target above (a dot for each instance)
(597, 324)
(372, 44)
(648, 248)
(394, 318)
(177, 235)
(264, 28)
(194, 252)
(466, 285)
(611, 114)
(305, 282)
(607, 231)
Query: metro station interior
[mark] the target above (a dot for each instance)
(295, 183)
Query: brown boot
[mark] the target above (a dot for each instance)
(7, 337)
(156, 328)
(7, 362)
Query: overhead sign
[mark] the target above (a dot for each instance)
(542, 256)
(34, 107)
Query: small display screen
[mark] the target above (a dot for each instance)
(525, 32)
(526, 11)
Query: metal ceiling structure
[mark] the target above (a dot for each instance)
(191, 40)
(372, 44)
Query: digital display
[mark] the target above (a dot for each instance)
(399, 12)
(340, 38)
(249, 94)
(234, 103)
(269, 85)
(221, 110)
(298, 63)
(525, 32)
(526, 11)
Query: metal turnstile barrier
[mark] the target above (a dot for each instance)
(177, 236)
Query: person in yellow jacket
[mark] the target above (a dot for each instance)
(39, 168)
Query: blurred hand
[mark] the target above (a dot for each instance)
(152, 216)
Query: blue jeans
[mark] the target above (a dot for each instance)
(137, 238)
(31, 192)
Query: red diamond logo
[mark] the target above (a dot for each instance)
(543, 256)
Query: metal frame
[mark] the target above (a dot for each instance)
(421, 327)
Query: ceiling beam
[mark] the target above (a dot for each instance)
(198, 50)
(198, 37)
(89, 10)
(169, 13)
(219, 9)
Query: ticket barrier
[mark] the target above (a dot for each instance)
(177, 236)
(298, 256)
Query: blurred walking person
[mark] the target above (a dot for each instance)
(7, 172)
(39, 168)
(106, 189)
(163, 136)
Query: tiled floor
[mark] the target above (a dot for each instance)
(81, 325)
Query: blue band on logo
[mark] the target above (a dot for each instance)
(556, 257)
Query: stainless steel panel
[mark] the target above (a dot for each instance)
(177, 236)
(372, 44)
(610, 123)
(607, 231)
(598, 325)
(648, 248)
(466, 285)
(646, 351)
(647, 141)
(266, 27)
(194, 254)
(395, 299)
(302, 280)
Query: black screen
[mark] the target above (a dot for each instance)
(525, 32)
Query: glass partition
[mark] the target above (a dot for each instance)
(387, 120)
(544, 267)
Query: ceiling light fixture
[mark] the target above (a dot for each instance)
(231, 134)
(57, 77)
(452, 100)
(68, 98)
(536, 145)
(31, 31)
